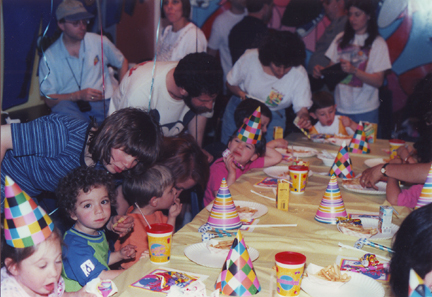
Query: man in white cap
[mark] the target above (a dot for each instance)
(71, 78)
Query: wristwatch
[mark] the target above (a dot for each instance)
(383, 169)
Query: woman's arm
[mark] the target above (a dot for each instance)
(6, 140)
(236, 91)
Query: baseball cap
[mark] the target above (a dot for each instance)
(72, 10)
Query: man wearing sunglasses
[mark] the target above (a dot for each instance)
(71, 77)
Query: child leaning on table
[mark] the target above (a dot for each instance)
(324, 110)
(86, 196)
(148, 194)
(247, 152)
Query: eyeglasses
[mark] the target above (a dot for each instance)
(77, 23)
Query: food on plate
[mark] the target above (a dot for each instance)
(351, 182)
(223, 245)
(332, 273)
(297, 151)
(301, 163)
(355, 225)
(246, 209)
(340, 136)
(284, 174)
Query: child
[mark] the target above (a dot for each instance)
(152, 192)
(324, 110)
(86, 195)
(248, 152)
(32, 265)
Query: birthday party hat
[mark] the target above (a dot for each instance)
(358, 144)
(250, 132)
(26, 224)
(342, 164)
(224, 214)
(332, 205)
(426, 193)
(238, 276)
(416, 287)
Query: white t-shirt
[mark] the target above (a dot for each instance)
(221, 28)
(333, 129)
(134, 91)
(293, 88)
(173, 46)
(352, 96)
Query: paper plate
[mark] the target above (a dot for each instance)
(338, 141)
(200, 254)
(262, 209)
(374, 162)
(327, 161)
(371, 191)
(280, 172)
(373, 223)
(302, 151)
(359, 286)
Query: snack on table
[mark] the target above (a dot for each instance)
(332, 273)
(301, 163)
(289, 151)
(341, 136)
(246, 213)
(354, 227)
(223, 245)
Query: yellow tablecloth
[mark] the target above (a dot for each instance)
(319, 242)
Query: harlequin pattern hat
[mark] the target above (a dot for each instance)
(342, 164)
(250, 132)
(359, 144)
(26, 223)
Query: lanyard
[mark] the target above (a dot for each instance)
(82, 67)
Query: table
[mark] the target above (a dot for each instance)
(319, 242)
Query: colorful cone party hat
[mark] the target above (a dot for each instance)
(426, 193)
(224, 214)
(358, 144)
(332, 205)
(342, 164)
(238, 277)
(416, 287)
(250, 132)
(26, 224)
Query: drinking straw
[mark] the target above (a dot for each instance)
(256, 193)
(143, 215)
(269, 225)
(353, 248)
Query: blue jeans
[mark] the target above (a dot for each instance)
(99, 110)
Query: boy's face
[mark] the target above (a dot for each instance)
(242, 152)
(168, 198)
(325, 115)
(92, 210)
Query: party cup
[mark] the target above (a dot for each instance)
(289, 273)
(394, 145)
(299, 176)
(159, 242)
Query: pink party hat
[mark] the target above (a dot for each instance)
(342, 164)
(238, 277)
(426, 193)
(26, 223)
(358, 144)
(224, 214)
(250, 132)
(332, 205)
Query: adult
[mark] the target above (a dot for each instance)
(252, 29)
(274, 75)
(412, 250)
(336, 13)
(183, 92)
(364, 56)
(221, 28)
(70, 79)
(181, 36)
(37, 154)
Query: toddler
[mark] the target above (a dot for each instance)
(324, 110)
(247, 151)
(86, 195)
(148, 193)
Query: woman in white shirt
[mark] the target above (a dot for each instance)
(364, 56)
(181, 37)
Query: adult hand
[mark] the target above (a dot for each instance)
(90, 94)
(304, 121)
(347, 67)
(317, 71)
(242, 95)
(208, 155)
(371, 176)
(121, 225)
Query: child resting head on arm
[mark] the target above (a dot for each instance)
(148, 193)
(86, 195)
(324, 110)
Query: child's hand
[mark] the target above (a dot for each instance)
(122, 225)
(229, 163)
(347, 122)
(145, 255)
(280, 143)
(81, 293)
(175, 209)
(128, 252)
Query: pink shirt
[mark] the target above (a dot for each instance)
(218, 171)
(410, 196)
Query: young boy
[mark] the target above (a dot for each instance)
(148, 194)
(324, 110)
(246, 152)
(86, 195)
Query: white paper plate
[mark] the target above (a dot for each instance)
(359, 286)
(200, 254)
(280, 172)
(374, 162)
(307, 151)
(262, 209)
(327, 161)
(339, 141)
(373, 223)
(371, 191)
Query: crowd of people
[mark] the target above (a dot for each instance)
(114, 154)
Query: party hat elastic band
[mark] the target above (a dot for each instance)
(250, 132)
